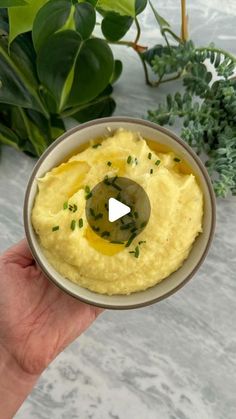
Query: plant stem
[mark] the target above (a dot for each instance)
(184, 22)
(220, 50)
(138, 31)
(176, 37)
(147, 80)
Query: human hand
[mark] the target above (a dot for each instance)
(37, 319)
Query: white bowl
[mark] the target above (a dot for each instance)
(64, 146)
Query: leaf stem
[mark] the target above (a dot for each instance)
(176, 37)
(138, 31)
(71, 112)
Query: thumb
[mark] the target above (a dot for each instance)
(20, 254)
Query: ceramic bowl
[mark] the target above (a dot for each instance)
(64, 146)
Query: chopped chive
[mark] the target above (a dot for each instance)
(135, 214)
(109, 163)
(91, 210)
(129, 159)
(95, 228)
(70, 207)
(136, 161)
(177, 159)
(151, 171)
(96, 145)
(87, 189)
(105, 234)
(142, 241)
(136, 253)
(81, 223)
(132, 237)
(98, 216)
(88, 196)
(116, 242)
(75, 208)
(126, 226)
(114, 185)
(72, 224)
(157, 162)
(55, 228)
(149, 156)
(65, 205)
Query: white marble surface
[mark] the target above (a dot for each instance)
(175, 359)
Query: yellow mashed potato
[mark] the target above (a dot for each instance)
(81, 255)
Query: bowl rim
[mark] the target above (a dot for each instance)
(137, 121)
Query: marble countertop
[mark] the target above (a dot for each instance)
(172, 360)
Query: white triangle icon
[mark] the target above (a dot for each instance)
(116, 209)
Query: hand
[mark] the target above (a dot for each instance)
(37, 319)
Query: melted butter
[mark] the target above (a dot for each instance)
(101, 245)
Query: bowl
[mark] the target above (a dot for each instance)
(69, 142)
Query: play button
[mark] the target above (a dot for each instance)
(116, 209)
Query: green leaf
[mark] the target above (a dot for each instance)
(100, 107)
(15, 88)
(123, 7)
(50, 18)
(197, 79)
(115, 26)
(21, 18)
(93, 70)
(160, 20)
(56, 70)
(12, 3)
(8, 137)
(140, 5)
(85, 19)
(35, 136)
(118, 67)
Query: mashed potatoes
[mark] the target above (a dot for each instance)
(79, 254)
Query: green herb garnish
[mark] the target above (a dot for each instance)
(92, 212)
(129, 159)
(132, 237)
(75, 208)
(89, 195)
(105, 234)
(135, 252)
(55, 228)
(177, 159)
(95, 228)
(98, 216)
(143, 224)
(87, 189)
(151, 171)
(109, 163)
(157, 162)
(65, 205)
(81, 223)
(149, 156)
(96, 145)
(141, 241)
(72, 224)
